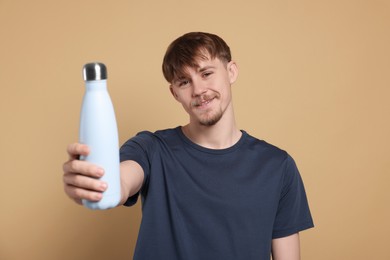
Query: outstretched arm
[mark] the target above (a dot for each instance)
(81, 178)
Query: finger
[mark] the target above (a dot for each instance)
(84, 182)
(78, 194)
(83, 168)
(78, 201)
(76, 149)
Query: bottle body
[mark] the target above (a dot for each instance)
(98, 130)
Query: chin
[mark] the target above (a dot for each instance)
(210, 121)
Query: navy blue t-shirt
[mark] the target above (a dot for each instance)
(200, 203)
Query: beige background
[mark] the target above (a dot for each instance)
(314, 80)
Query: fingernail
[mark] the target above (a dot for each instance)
(100, 172)
(98, 196)
(103, 186)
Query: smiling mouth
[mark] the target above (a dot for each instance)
(201, 103)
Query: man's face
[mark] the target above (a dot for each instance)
(204, 91)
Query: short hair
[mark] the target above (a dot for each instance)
(186, 50)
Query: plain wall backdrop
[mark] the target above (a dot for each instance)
(314, 80)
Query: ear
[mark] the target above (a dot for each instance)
(233, 71)
(173, 92)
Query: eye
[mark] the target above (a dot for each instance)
(207, 74)
(183, 83)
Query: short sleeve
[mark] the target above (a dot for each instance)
(137, 149)
(293, 214)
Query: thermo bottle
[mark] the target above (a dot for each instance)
(98, 130)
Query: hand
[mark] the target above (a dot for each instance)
(81, 177)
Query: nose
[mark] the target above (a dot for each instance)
(198, 87)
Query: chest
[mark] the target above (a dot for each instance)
(230, 183)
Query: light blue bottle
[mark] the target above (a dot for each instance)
(98, 130)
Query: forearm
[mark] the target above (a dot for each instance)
(132, 177)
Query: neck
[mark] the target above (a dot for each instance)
(221, 135)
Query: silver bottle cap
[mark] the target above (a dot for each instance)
(94, 71)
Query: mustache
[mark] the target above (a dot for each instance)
(202, 99)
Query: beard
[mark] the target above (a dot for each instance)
(208, 117)
(210, 120)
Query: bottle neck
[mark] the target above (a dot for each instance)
(92, 85)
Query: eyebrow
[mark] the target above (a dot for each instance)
(206, 68)
(199, 70)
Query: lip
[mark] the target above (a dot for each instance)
(202, 104)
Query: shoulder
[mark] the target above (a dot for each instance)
(146, 144)
(265, 148)
(148, 139)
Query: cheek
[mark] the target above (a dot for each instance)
(181, 98)
(186, 108)
(173, 93)
(178, 95)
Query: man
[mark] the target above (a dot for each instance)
(209, 190)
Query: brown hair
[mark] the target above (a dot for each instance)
(187, 49)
